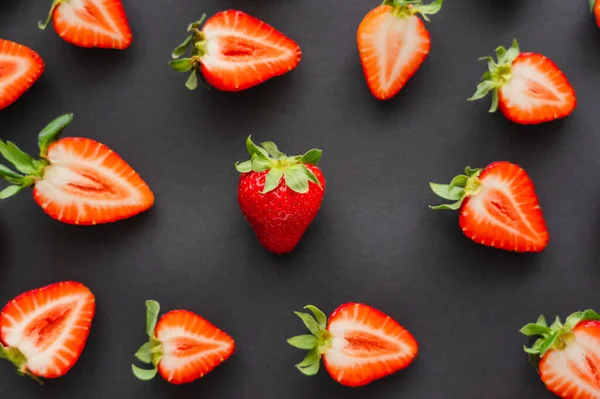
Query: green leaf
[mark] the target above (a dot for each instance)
(254, 149)
(272, 181)
(557, 324)
(296, 180)
(3, 354)
(259, 163)
(10, 191)
(592, 4)
(310, 323)
(533, 329)
(311, 370)
(309, 174)
(443, 190)
(303, 341)
(152, 311)
(483, 89)
(459, 181)
(192, 82)
(272, 149)
(319, 315)
(512, 53)
(22, 161)
(243, 167)
(196, 24)
(143, 374)
(10, 176)
(548, 343)
(143, 354)
(500, 54)
(312, 157)
(51, 133)
(472, 171)
(429, 9)
(451, 207)
(541, 321)
(183, 65)
(182, 48)
(590, 315)
(310, 365)
(494, 104)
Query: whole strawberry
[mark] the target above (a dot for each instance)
(280, 195)
(567, 356)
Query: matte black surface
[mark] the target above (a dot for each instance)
(374, 240)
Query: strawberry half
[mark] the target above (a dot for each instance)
(44, 331)
(359, 344)
(183, 346)
(77, 180)
(280, 195)
(595, 7)
(20, 68)
(393, 43)
(90, 23)
(567, 356)
(235, 51)
(528, 87)
(498, 207)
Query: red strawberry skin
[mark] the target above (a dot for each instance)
(87, 23)
(597, 12)
(366, 345)
(558, 102)
(21, 61)
(380, 63)
(526, 231)
(243, 51)
(192, 346)
(572, 373)
(281, 216)
(34, 331)
(86, 183)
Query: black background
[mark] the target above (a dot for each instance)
(374, 241)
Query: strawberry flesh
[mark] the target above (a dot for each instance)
(86, 183)
(392, 48)
(49, 326)
(505, 213)
(243, 51)
(20, 68)
(192, 346)
(366, 345)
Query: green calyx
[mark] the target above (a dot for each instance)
(555, 336)
(43, 24)
(29, 169)
(461, 187)
(195, 42)
(16, 357)
(499, 73)
(292, 169)
(151, 352)
(408, 8)
(317, 342)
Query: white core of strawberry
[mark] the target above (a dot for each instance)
(39, 361)
(400, 34)
(524, 74)
(23, 65)
(169, 338)
(72, 10)
(569, 364)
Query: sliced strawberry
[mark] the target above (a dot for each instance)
(183, 346)
(595, 4)
(393, 43)
(20, 68)
(43, 331)
(235, 51)
(359, 344)
(528, 87)
(568, 355)
(91, 23)
(78, 181)
(498, 207)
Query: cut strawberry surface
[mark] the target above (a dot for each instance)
(498, 207)
(393, 43)
(235, 51)
(358, 344)
(78, 180)
(45, 330)
(91, 23)
(528, 87)
(183, 346)
(567, 355)
(20, 68)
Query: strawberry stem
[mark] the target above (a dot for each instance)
(43, 24)
(461, 187)
(408, 8)
(317, 343)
